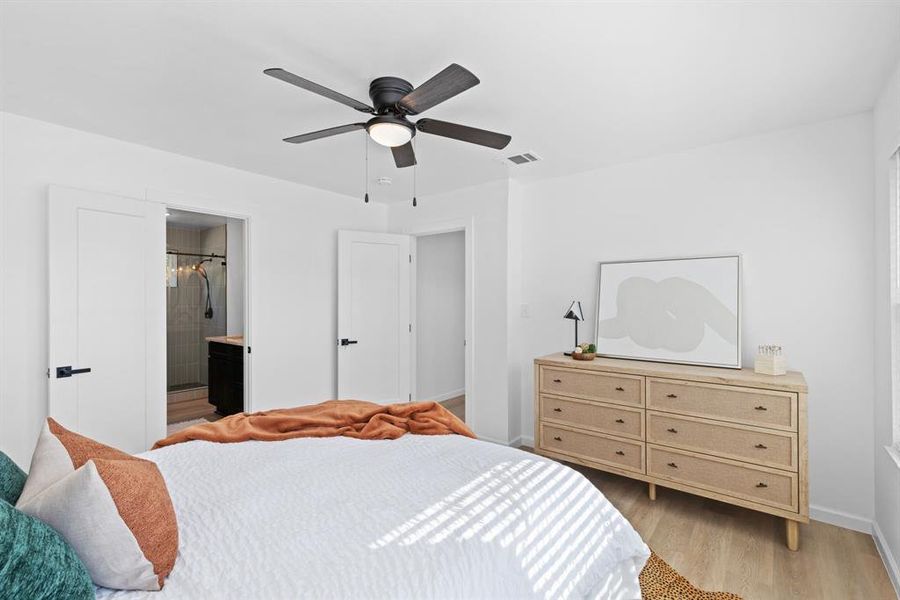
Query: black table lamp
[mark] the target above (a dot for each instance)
(576, 315)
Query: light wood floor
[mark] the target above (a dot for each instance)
(457, 406)
(719, 547)
(186, 405)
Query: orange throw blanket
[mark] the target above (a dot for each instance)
(350, 418)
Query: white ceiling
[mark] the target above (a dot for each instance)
(581, 84)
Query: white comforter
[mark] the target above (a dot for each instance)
(418, 517)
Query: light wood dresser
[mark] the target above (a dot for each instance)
(731, 435)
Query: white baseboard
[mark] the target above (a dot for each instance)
(841, 519)
(444, 396)
(513, 443)
(887, 557)
(484, 438)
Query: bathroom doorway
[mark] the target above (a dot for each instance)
(205, 291)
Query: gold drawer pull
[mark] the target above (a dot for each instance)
(557, 381)
(671, 395)
(761, 446)
(760, 407)
(620, 453)
(672, 430)
(620, 389)
(761, 485)
(557, 438)
(673, 465)
(620, 420)
(557, 410)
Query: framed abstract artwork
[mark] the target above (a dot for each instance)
(678, 310)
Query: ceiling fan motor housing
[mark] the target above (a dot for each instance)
(386, 92)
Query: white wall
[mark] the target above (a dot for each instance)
(798, 205)
(292, 260)
(235, 271)
(483, 209)
(887, 471)
(440, 316)
(517, 366)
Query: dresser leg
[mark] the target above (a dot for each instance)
(651, 491)
(792, 534)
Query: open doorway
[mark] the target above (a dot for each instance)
(440, 309)
(205, 291)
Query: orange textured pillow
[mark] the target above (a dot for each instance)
(113, 508)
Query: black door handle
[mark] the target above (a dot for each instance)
(346, 342)
(68, 371)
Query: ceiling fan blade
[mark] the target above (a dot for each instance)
(315, 88)
(404, 156)
(323, 133)
(443, 86)
(463, 133)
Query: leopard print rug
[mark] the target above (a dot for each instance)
(659, 581)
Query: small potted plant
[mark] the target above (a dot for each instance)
(584, 352)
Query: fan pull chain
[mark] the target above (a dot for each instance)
(415, 171)
(366, 181)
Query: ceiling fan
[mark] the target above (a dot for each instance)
(395, 99)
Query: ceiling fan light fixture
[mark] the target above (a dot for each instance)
(389, 131)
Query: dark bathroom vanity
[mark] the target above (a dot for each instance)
(226, 374)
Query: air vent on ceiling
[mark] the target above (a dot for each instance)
(522, 159)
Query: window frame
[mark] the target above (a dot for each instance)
(894, 191)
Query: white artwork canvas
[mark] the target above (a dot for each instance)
(680, 310)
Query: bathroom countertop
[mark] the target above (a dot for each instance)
(234, 340)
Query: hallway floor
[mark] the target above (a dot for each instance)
(457, 406)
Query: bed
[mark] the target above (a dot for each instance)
(440, 516)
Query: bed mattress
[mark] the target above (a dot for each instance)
(417, 517)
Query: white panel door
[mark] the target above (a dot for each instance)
(373, 317)
(107, 314)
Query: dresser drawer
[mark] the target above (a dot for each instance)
(596, 447)
(618, 389)
(777, 410)
(770, 448)
(769, 487)
(607, 418)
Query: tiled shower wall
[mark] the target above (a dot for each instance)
(186, 326)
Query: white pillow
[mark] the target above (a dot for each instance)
(112, 508)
